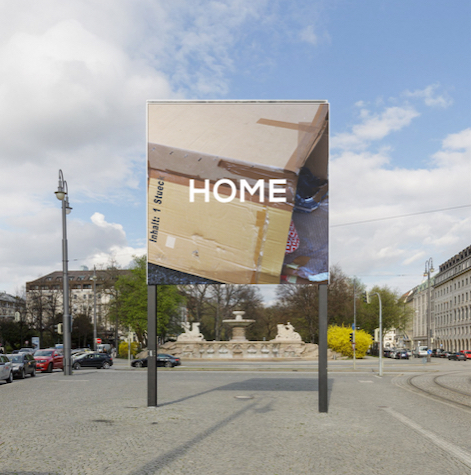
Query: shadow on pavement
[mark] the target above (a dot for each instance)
(249, 385)
(263, 384)
(165, 459)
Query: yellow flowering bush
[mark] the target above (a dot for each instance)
(338, 339)
(123, 349)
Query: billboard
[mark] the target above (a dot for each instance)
(237, 192)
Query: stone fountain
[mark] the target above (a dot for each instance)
(238, 326)
(287, 343)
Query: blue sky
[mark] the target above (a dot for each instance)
(75, 77)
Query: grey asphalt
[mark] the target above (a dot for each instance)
(249, 421)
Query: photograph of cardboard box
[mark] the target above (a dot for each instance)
(223, 180)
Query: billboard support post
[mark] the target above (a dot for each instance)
(322, 369)
(152, 345)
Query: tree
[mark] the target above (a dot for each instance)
(14, 334)
(169, 301)
(130, 301)
(210, 304)
(107, 285)
(82, 330)
(45, 310)
(394, 313)
(267, 319)
(301, 303)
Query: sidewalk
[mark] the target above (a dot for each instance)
(97, 422)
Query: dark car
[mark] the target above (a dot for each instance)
(163, 359)
(168, 361)
(457, 356)
(22, 364)
(401, 355)
(93, 360)
(444, 354)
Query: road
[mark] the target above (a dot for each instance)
(250, 421)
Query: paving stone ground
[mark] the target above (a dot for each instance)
(97, 422)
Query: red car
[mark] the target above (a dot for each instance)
(467, 353)
(49, 359)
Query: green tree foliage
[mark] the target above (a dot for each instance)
(131, 298)
(130, 302)
(394, 313)
(14, 334)
(169, 301)
(82, 331)
(338, 338)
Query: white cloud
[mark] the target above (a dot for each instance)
(374, 127)
(75, 77)
(430, 97)
(308, 35)
(456, 150)
(364, 187)
(35, 241)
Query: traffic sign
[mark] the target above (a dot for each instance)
(98, 341)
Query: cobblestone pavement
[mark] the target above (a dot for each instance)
(97, 422)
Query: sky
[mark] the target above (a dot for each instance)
(75, 77)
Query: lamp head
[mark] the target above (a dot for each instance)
(60, 194)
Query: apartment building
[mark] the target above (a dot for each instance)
(419, 301)
(44, 295)
(452, 303)
(9, 305)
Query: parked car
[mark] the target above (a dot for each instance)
(168, 361)
(163, 359)
(80, 352)
(457, 356)
(401, 355)
(92, 360)
(421, 351)
(467, 353)
(23, 364)
(445, 354)
(49, 359)
(6, 373)
(28, 350)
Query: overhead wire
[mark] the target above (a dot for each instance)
(399, 216)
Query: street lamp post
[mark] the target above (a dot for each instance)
(95, 336)
(428, 269)
(61, 194)
(380, 333)
(380, 352)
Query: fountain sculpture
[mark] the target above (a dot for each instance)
(286, 344)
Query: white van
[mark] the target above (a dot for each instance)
(421, 351)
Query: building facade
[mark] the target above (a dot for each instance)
(420, 304)
(10, 305)
(452, 303)
(44, 297)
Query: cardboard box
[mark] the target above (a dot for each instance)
(222, 235)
